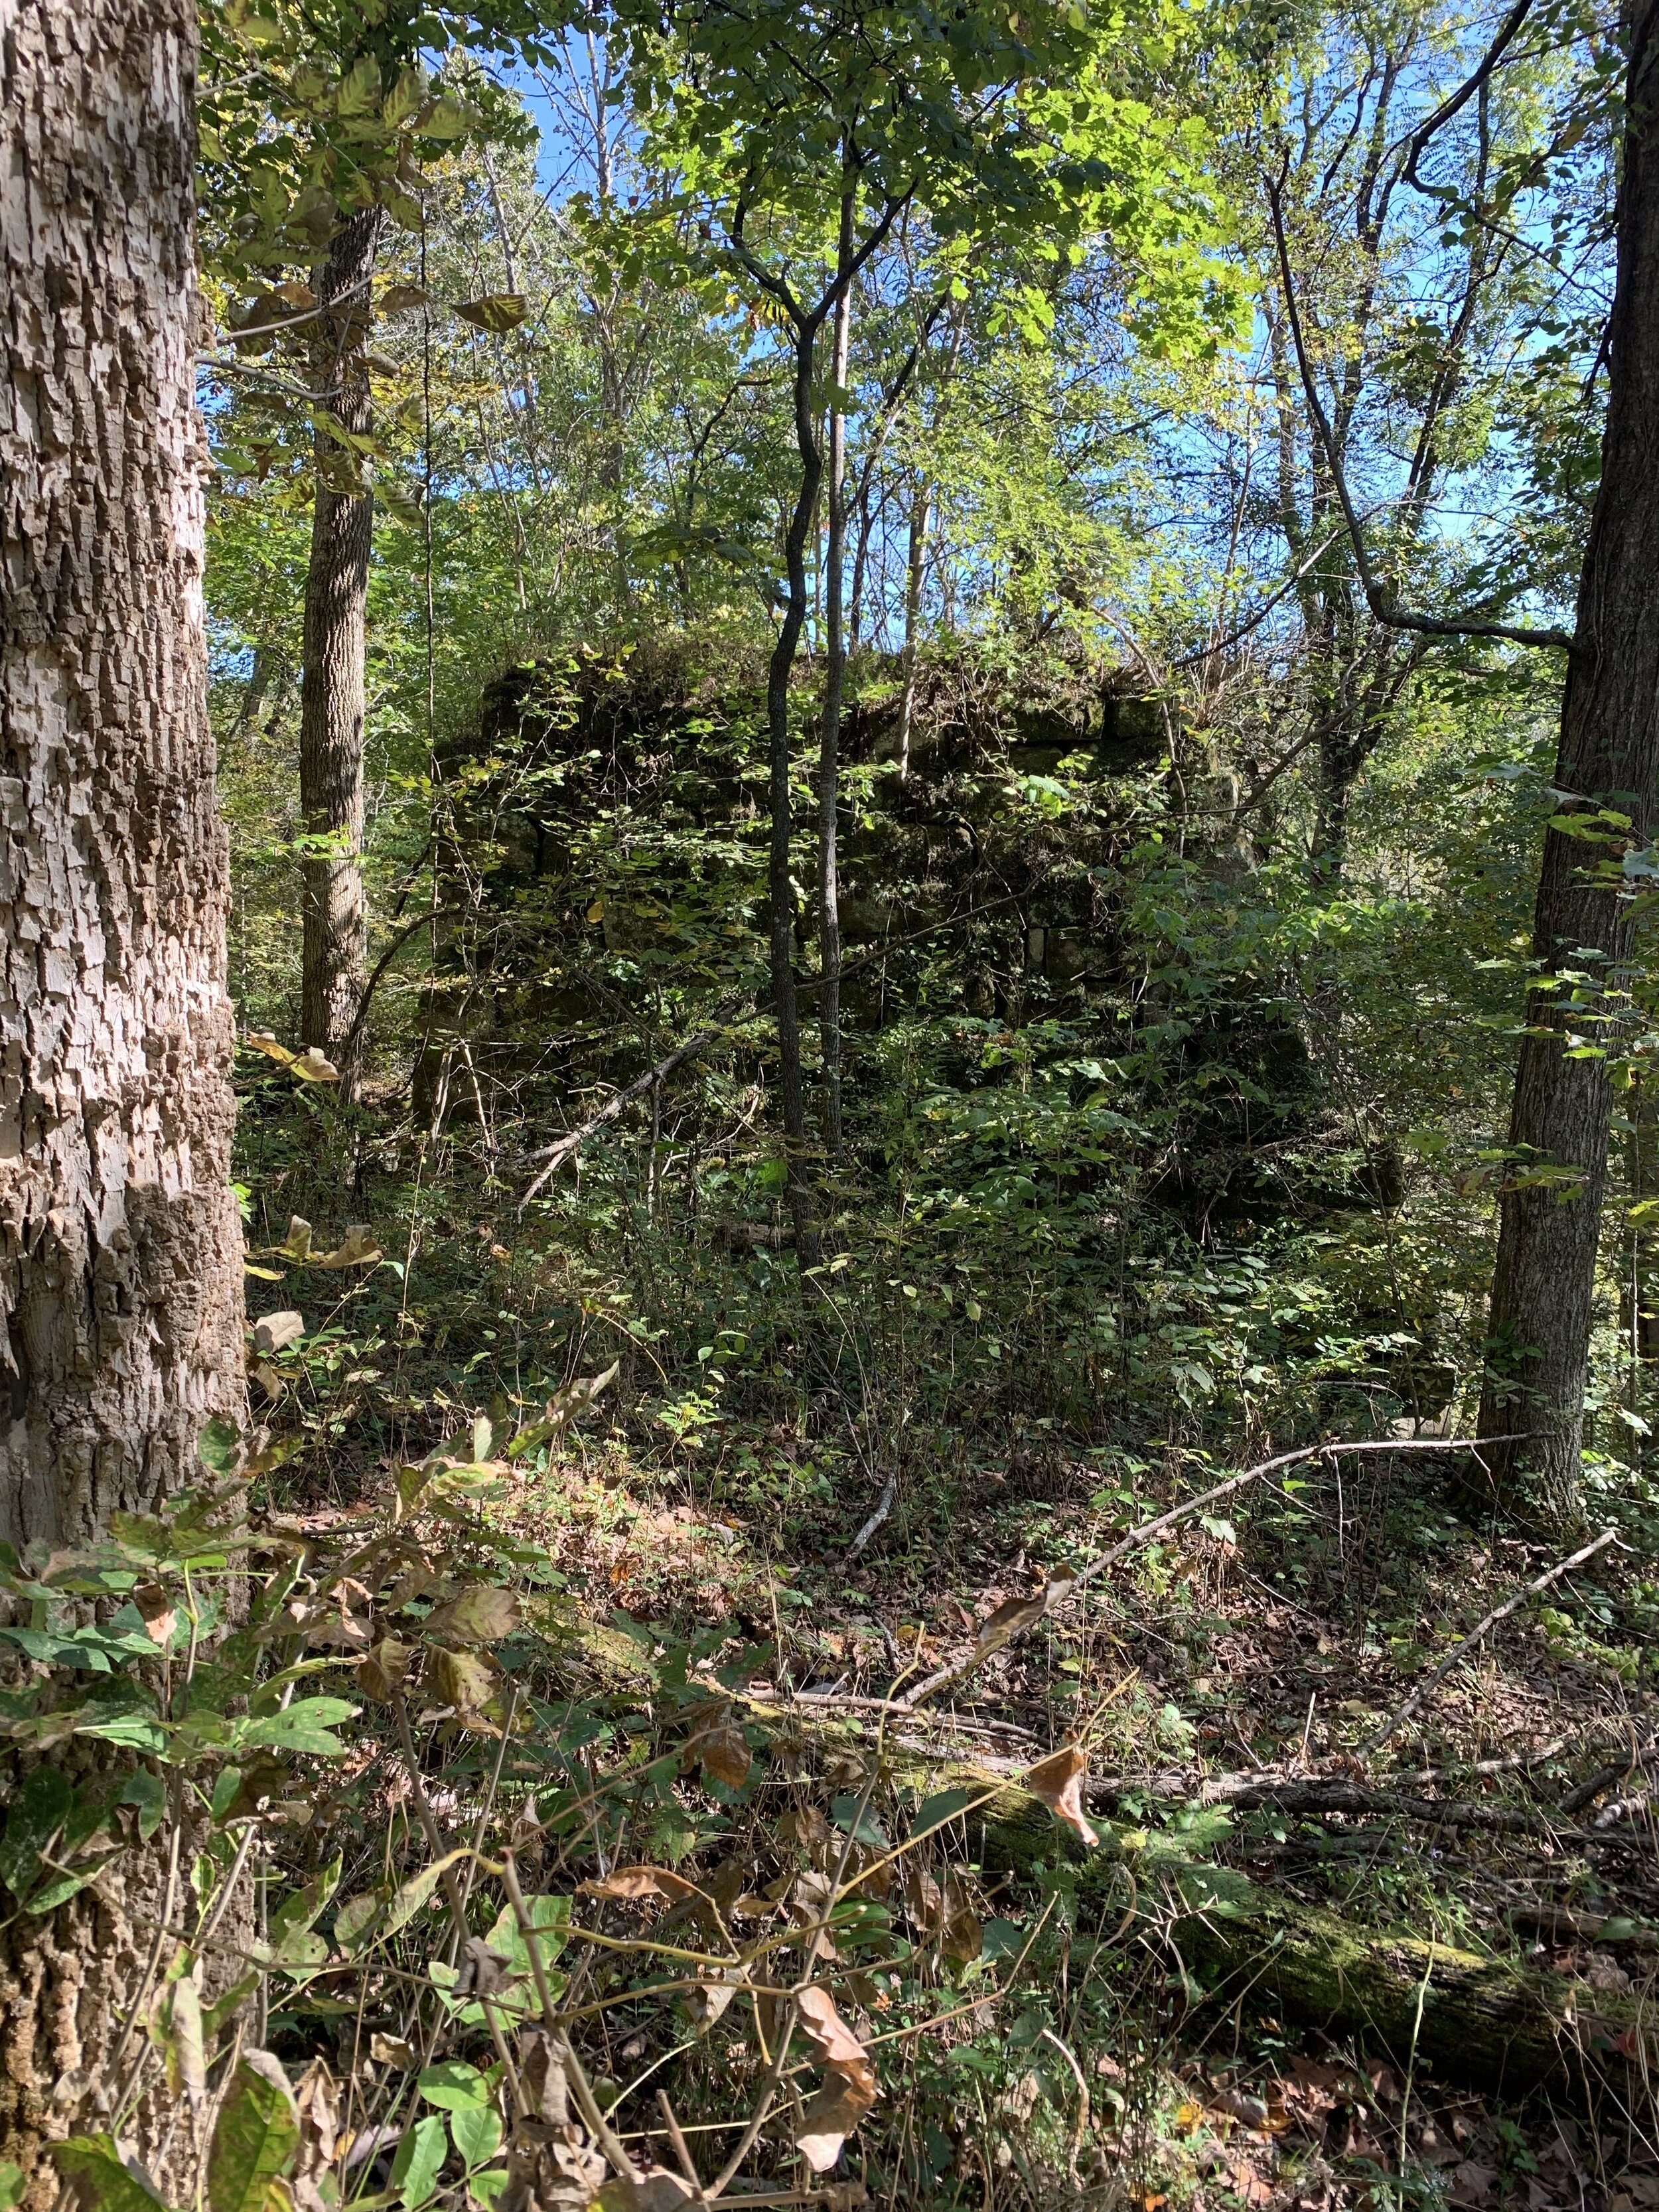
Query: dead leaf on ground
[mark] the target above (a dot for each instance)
(849, 2085)
(722, 1751)
(1058, 1782)
(631, 1882)
(805, 1827)
(1474, 2184)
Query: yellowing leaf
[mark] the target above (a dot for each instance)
(495, 312)
(256, 2132)
(1058, 1781)
(481, 1615)
(459, 1679)
(629, 1882)
(102, 2179)
(380, 1672)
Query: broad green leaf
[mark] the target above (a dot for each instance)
(454, 2085)
(407, 97)
(224, 2008)
(256, 2134)
(149, 1794)
(548, 1916)
(407, 1901)
(58, 1889)
(11, 2184)
(419, 2162)
(103, 2178)
(219, 1447)
(304, 1726)
(355, 1918)
(444, 118)
(945, 1805)
(477, 2132)
(38, 1812)
(130, 1727)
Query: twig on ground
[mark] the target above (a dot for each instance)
(1375, 1743)
(884, 1507)
(1605, 1777)
(1065, 1586)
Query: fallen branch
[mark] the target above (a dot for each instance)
(884, 1507)
(1492, 2022)
(1018, 1616)
(1499, 1612)
(1605, 1777)
(555, 1155)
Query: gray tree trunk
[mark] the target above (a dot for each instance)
(334, 688)
(120, 1246)
(1544, 1282)
(835, 678)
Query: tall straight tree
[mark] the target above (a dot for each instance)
(1544, 1281)
(333, 691)
(316, 117)
(120, 1257)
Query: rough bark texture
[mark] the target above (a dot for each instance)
(120, 1247)
(1489, 2022)
(1544, 1281)
(332, 692)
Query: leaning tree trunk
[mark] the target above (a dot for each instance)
(332, 693)
(120, 1259)
(1544, 1282)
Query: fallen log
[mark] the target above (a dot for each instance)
(1490, 2022)
(1482, 2020)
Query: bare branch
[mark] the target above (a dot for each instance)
(1378, 596)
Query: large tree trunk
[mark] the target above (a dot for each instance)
(332, 692)
(1544, 1282)
(120, 1247)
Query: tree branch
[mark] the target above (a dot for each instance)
(1378, 596)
